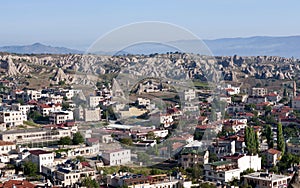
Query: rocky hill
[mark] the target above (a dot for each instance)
(85, 69)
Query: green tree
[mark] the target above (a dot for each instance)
(269, 136)
(212, 157)
(280, 138)
(251, 141)
(126, 141)
(77, 138)
(81, 158)
(89, 183)
(65, 140)
(30, 168)
(143, 157)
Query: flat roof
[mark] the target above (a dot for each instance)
(266, 176)
(39, 152)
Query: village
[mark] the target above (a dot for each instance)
(57, 137)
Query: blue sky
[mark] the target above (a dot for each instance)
(77, 24)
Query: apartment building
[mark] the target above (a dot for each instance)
(36, 135)
(257, 91)
(221, 171)
(116, 157)
(41, 158)
(94, 101)
(266, 180)
(12, 118)
(6, 147)
(61, 117)
(245, 161)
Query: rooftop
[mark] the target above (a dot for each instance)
(265, 176)
(39, 152)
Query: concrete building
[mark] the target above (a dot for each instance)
(6, 147)
(32, 95)
(69, 173)
(245, 161)
(92, 114)
(221, 172)
(189, 95)
(94, 101)
(36, 135)
(61, 117)
(12, 118)
(41, 158)
(266, 180)
(191, 156)
(116, 157)
(259, 91)
(141, 181)
(25, 109)
(296, 103)
(273, 157)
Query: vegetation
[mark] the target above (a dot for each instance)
(89, 183)
(251, 141)
(77, 138)
(280, 138)
(126, 141)
(269, 136)
(65, 140)
(30, 168)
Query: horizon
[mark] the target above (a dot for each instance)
(57, 46)
(78, 24)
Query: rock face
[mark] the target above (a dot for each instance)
(61, 76)
(86, 69)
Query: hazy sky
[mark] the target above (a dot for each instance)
(77, 24)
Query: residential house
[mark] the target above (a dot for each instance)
(221, 172)
(273, 156)
(116, 157)
(266, 180)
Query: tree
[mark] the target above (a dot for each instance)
(77, 138)
(212, 157)
(269, 136)
(89, 183)
(251, 140)
(126, 141)
(280, 138)
(143, 157)
(30, 168)
(65, 140)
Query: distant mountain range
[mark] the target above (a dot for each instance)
(38, 48)
(253, 46)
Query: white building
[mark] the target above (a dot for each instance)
(12, 118)
(32, 95)
(46, 109)
(266, 180)
(189, 95)
(221, 172)
(116, 157)
(61, 117)
(25, 109)
(144, 102)
(6, 147)
(36, 135)
(245, 161)
(232, 90)
(166, 120)
(41, 158)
